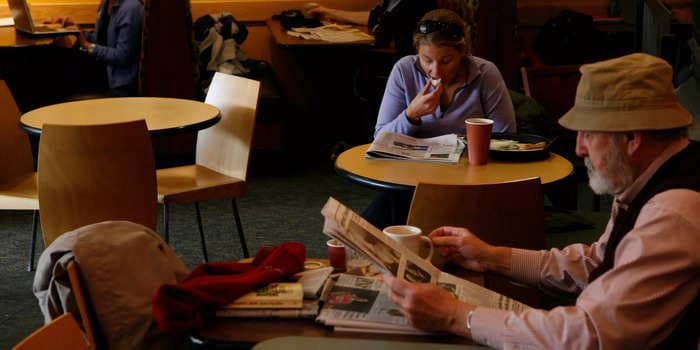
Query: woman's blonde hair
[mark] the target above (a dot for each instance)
(455, 33)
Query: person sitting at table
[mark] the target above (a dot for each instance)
(116, 41)
(390, 19)
(638, 286)
(433, 92)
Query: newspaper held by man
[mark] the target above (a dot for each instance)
(390, 145)
(391, 257)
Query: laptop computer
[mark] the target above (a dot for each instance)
(23, 21)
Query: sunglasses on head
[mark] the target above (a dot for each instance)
(452, 30)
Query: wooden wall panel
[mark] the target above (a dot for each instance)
(245, 10)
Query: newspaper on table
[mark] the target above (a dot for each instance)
(354, 301)
(390, 145)
(391, 257)
(335, 33)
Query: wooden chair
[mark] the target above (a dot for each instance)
(88, 320)
(62, 333)
(222, 154)
(18, 181)
(89, 174)
(506, 214)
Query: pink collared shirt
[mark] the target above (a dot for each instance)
(635, 305)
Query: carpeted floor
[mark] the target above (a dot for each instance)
(283, 204)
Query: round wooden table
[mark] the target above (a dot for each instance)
(405, 175)
(162, 115)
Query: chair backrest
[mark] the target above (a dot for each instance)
(94, 173)
(62, 333)
(507, 214)
(15, 151)
(82, 300)
(510, 214)
(225, 147)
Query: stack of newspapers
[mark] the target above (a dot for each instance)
(389, 145)
(282, 299)
(361, 303)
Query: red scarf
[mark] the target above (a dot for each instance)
(180, 307)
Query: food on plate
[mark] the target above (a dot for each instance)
(435, 81)
(513, 145)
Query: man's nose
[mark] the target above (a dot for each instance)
(581, 149)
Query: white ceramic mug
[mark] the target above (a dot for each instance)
(411, 237)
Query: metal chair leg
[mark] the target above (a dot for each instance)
(239, 227)
(201, 232)
(166, 233)
(32, 245)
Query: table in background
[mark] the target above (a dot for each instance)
(405, 175)
(280, 36)
(323, 83)
(162, 115)
(9, 37)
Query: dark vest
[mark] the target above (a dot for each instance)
(682, 171)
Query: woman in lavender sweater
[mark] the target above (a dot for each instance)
(433, 92)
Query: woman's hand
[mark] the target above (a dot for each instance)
(460, 246)
(428, 306)
(424, 103)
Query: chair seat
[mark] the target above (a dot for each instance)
(194, 183)
(20, 194)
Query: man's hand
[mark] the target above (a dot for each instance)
(460, 246)
(425, 103)
(429, 307)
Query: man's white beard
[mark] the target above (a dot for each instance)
(620, 173)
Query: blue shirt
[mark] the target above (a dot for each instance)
(484, 94)
(121, 51)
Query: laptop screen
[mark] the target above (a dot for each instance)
(20, 14)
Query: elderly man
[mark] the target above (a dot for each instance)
(638, 285)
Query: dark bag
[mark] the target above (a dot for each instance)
(568, 38)
(202, 25)
(294, 19)
(396, 20)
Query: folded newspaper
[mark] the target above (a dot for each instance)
(346, 226)
(390, 145)
(335, 33)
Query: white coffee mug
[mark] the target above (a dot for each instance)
(411, 237)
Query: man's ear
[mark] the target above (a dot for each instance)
(632, 141)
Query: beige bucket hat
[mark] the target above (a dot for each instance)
(633, 92)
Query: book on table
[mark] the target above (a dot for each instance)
(279, 295)
(283, 299)
(361, 303)
(441, 149)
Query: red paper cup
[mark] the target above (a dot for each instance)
(336, 255)
(478, 140)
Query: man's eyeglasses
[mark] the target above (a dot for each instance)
(452, 30)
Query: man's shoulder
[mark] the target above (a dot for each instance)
(677, 201)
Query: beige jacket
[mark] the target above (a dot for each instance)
(122, 265)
